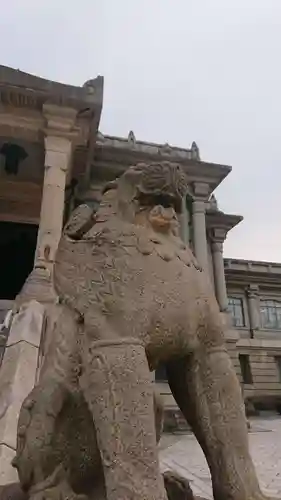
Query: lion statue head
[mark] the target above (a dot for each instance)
(149, 194)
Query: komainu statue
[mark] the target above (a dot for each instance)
(131, 296)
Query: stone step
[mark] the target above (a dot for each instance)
(174, 421)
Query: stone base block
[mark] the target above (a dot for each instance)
(7, 473)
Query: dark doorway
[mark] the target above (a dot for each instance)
(160, 374)
(17, 249)
(245, 366)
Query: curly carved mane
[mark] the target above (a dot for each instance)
(156, 179)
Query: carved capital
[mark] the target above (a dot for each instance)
(58, 114)
(60, 121)
(201, 189)
(217, 237)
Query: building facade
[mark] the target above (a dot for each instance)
(53, 157)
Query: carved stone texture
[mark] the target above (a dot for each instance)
(132, 296)
(177, 488)
(12, 491)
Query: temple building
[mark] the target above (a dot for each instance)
(53, 157)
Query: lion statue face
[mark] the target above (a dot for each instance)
(151, 195)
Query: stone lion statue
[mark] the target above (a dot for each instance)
(131, 296)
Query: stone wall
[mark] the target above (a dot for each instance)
(265, 390)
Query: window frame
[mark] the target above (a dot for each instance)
(278, 367)
(243, 311)
(270, 305)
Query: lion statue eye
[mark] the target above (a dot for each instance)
(164, 200)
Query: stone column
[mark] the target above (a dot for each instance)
(254, 317)
(184, 222)
(58, 138)
(58, 147)
(20, 364)
(219, 276)
(199, 233)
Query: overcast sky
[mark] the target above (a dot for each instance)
(175, 71)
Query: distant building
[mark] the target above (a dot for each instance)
(53, 157)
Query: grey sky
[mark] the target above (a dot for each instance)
(175, 71)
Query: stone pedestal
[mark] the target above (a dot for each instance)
(17, 379)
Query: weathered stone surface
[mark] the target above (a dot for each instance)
(177, 488)
(17, 378)
(12, 491)
(15, 383)
(131, 296)
(27, 324)
(7, 473)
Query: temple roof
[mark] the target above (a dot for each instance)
(23, 89)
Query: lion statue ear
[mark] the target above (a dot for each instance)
(126, 187)
(128, 190)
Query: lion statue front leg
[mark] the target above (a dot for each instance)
(118, 388)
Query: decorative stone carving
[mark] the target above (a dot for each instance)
(90, 85)
(195, 151)
(166, 149)
(131, 138)
(12, 491)
(174, 153)
(201, 190)
(213, 204)
(131, 296)
(177, 488)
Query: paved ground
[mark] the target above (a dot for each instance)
(182, 454)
